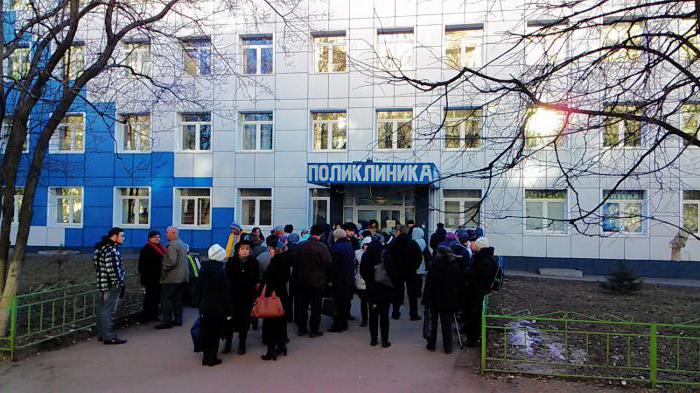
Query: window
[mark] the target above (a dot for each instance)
(20, 5)
(256, 207)
(690, 119)
(544, 127)
(138, 59)
(330, 52)
(5, 135)
(196, 56)
(546, 43)
(689, 31)
(136, 136)
(621, 34)
(73, 62)
(463, 47)
(394, 129)
(461, 208)
(395, 49)
(622, 211)
(545, 211)
(194, 207)
(257, 131)
(19, 194)
(66, 206)
(196, 131)
(320, 206)
(18, 63)
(70, 135)
(463, 128)
(133, 206)
(257, 54)
(329, 130)
(691, 210)
(622, 132)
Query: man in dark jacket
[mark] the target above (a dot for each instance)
(351, 232)
(214, 303)
(442, 294)
(342, 282)
(437, 237)
(150, 261)
(481, 275)
(407, 257)
(309, 281)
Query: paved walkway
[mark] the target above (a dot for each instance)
(163, 361)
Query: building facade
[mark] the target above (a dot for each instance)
(302, 126)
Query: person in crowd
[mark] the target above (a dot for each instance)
(410, 224)
(443, 291)
(379, 295)
(373, 226)
(234, 237)
(293, 240)
(418, 236)
(342, 279)
(278, 231)
(309, 281)
(275, 279)
(264, 258)
(256, 245)
(110, 282)
(257, 232)
(481, 275)
(174, 277)
(288, 229)
(450, 238)
(150, 265)
(215, 305)
(243, 276)
(304, 235)
(406, 256)
(362, 292)
(350, 232)
(437, 237)
(460, 248)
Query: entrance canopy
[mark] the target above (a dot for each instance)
(386, 173)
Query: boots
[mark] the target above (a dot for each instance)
(227, 346)
(241, 348)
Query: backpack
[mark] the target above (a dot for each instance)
(193, 266)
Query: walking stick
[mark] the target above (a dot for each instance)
(459, 334)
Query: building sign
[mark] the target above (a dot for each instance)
(372, 173)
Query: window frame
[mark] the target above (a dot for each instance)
(17, 65)
(621, 128)
(258, 53)
(198, 45)
(258, 131)
(198, 135)
(6, 125)
(122, 126)
(19, 191)
(462, 206)
(177, 208)
(316, 46)
(395, 129)
(690, 201)
(257, 199)
(622, 55)
(138, 64)
(69, 72)
(313, 198)
(329, 123)
(549, 229)
(682, 120)
(463, 41)
(548, 145)
(643, 220)
(383, 49)
(546, 42)
(117, 210)
(685, 52)
(463, 127)
(53, 204)
(55, 143)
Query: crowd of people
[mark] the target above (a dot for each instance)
(308, 272)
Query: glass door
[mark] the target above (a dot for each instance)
(390, 218)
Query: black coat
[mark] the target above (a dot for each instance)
(150, 265)
(437, 237)
(406, 256)
(376, 292)
(312, 259)
(342, 269)
(212, 290)
(444, 285)
(276, 275)
(482, 273)
(243, 278)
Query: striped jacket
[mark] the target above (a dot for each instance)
(108, 266)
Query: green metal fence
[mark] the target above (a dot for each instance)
(41, 316)
(572, 345)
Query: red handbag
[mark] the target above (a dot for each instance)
(267, 306)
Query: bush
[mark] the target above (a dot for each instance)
(622, 280)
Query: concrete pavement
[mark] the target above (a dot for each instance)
(163, 361)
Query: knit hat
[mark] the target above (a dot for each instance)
(278, 228)
(153, 233)
(236, 226)
(339, 234)
(463, 235)
(217, 253)
(293, 238)
(482, 242)
(367, 240)
(450, 236)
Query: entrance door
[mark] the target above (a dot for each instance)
(390, 217)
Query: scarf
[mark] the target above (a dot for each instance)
(159, 249)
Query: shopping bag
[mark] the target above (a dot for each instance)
(267, 306)
(427, 323)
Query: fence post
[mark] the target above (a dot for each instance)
(484, 307)
(653, 366)
(13, 327)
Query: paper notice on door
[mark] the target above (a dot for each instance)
(390, 224)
